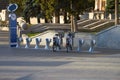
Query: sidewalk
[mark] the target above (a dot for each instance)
(32, 64)
(98, 52)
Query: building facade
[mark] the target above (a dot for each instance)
(3, 11)
(100, 5)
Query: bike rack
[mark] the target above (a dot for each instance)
(92, 45)
(80, 44)
(38, 40)
(19, 40)
(28, 40)
(47, 46)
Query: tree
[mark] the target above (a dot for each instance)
(110, 6)
(28, 10)
(78, 8)
(37, 12)
(116, 12)
(113, 7)
(20, 3)
(49, 8)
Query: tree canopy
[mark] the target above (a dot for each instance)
(20, 4)
(49, 8)
(110, 6)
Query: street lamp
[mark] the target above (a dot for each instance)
(73, 19)
(72, 27)
(116, 12)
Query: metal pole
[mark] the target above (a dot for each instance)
(72, 26)
(73, 20)
(116, 12)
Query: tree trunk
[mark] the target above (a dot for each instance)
(77, 17)
(65, 17)
(46, 20)
(57, 17)
(73, 24)
(38, 19)
(28, 20)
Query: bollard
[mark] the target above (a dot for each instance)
(38, 40)
(81, 42)
(47, 46)
(28, 40)
(92, 45)
(58, 44)
(19, 40)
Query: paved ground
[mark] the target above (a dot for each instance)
(4, 35)
(31, 64)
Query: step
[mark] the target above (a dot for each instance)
(4, 37)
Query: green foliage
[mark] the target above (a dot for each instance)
(32, 34)
(48, 8)
(110, 6)
(20, 6)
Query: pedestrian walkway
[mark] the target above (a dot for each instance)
(4, 37)
(4, 47)
(40, 64)
(31, 64)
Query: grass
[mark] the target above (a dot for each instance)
(32, 34)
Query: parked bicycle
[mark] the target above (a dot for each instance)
(68, 44)
(56, 45)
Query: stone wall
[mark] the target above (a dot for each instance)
(109, 38)
(87, 37)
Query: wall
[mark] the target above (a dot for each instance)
(50, 33)
(109, 38)
(3, 15)
(87, 37)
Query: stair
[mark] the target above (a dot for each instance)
(94, 25)
(84, 25)
(86, 22)
(43, 27)
(103, 26)
(4, 37)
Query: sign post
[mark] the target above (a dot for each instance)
(13, 25)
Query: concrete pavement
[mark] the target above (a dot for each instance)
(4, 37)
(31, 64)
